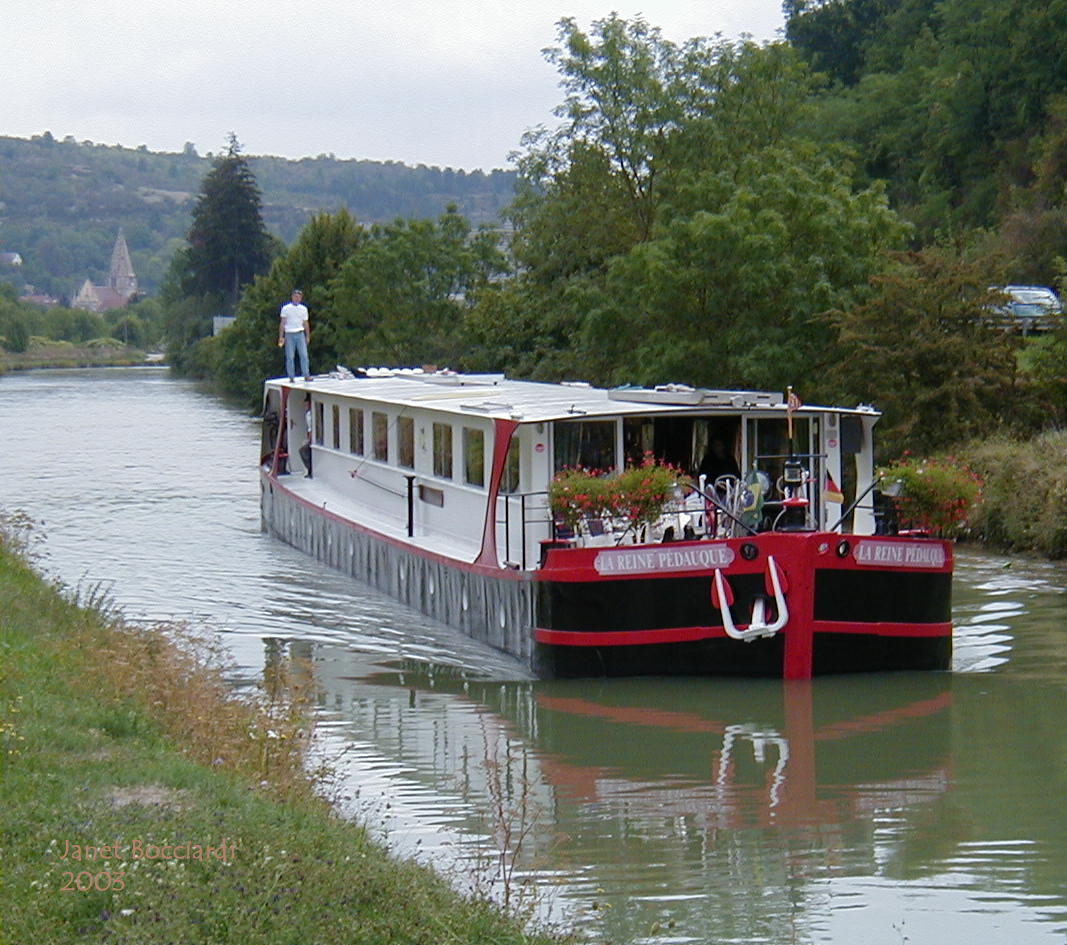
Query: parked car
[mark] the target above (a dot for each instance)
(1027, 308)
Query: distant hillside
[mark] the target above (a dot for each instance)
(61, 202)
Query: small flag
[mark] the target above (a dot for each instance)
(830, 492)
(792, 403)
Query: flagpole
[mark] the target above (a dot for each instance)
(789, 416)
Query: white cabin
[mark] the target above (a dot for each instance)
(459, 465)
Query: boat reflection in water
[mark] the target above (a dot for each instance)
(712, 805)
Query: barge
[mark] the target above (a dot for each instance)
(771, 555)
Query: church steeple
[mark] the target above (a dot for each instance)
(121, 277)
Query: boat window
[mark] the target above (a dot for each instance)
(442, 450)
(638, 439)
(336, 425)
(851, 435)
(320, 420)
(473, 457)
(355, 430)
(405, 442)
(509, 481)
(586, 443)
(771, 441)
(379, 424)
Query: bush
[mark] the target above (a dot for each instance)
(17, 338)
(1025, 507)
(39, 343)
(938, 495)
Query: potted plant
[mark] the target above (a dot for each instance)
(933, 495)
(637, 495)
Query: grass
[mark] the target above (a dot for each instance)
(65, 355)
(121, 740)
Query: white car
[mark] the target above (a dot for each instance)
(1028, 307)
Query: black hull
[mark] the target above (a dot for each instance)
(833, 654)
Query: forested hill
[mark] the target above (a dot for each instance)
(960, 106)
(62, 202)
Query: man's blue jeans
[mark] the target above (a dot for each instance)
(296, 343)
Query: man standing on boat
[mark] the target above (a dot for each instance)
(294, 333)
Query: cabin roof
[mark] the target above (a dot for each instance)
(499, 397)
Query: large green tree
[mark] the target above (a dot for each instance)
(401, 297)
(735, 289)
(677, 225)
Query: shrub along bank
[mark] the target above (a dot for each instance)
(140, 802)
(1024, 504)
(1001, 493)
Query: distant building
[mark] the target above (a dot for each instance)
(218, 322)
(39, 298)
(10, 259)
(121, 283)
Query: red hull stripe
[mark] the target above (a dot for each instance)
(886, 629)
(626, 637)
(685, 634)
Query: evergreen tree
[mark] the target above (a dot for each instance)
(228, 242)
(228, 246)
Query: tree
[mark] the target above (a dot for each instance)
(922, 349)
(678, 225)
(245, 353)
(401, 297)
(228, 245)
(228, 242)
(736, 291)
(17, 322)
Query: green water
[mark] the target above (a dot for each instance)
(915, 808)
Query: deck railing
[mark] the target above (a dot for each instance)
(528, 513)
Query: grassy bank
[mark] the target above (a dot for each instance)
(65, 355)
(140, 803)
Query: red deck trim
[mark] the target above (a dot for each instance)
(505, 574)
(502, 432)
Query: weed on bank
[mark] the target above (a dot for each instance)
(141, 803)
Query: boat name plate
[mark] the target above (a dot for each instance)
(898, 554)
(651, 560)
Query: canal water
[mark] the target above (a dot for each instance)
(883, 809)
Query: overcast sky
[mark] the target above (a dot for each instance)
(452, 83)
